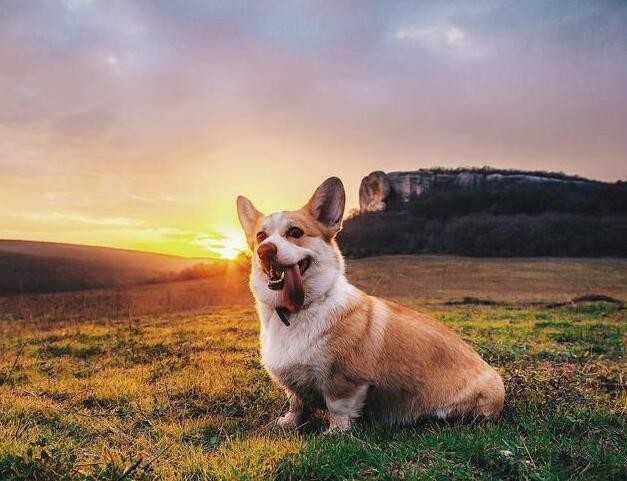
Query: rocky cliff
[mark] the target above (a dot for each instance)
(378, 189)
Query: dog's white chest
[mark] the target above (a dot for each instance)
(304, 343)
(283, 347)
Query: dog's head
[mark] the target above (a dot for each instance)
(295, 257)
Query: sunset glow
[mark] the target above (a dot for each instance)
(137, 124)
(229, 246)
(233, 246)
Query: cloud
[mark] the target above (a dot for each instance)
(75, 219)
(441, 39)
(74, 4)
(450, 36)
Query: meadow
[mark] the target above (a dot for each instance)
(165, 382)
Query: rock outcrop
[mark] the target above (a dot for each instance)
(379, 189)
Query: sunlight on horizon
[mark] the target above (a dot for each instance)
(227, 243)
(233, 245)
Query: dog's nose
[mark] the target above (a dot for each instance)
(267, 251)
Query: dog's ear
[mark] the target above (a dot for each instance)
(248, 216)
(327, 204)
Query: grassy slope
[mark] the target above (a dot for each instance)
(510, 280)
(30, 266)
(185, 393)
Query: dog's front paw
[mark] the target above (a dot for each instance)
(338, 424)
(288, 421)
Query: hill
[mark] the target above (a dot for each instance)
(487, 212)
(28, 266)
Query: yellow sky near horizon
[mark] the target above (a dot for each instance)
(202, 224)
(186, 208)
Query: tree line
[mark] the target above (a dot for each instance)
(563, 219)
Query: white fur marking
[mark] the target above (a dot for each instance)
(304, 341)
(442, 413)
(350, 406)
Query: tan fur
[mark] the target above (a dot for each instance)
(416, 367)
(420, 365)
(360, 355)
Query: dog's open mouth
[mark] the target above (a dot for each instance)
(276, 273)
(289, 280)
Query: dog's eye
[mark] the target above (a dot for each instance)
(261, 236)
(295, 232)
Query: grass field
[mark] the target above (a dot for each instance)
(181, 394)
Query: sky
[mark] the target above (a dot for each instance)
(136, 124)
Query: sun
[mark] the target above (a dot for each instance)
(230, 246)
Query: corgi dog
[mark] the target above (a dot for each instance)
(331, 346)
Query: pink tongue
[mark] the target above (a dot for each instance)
(293, 293)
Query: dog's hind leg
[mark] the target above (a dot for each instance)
(492, 397)
(486, 398)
